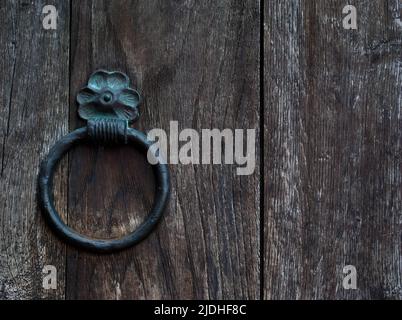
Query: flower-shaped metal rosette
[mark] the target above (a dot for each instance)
(108, 96)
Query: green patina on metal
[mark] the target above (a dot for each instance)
(108, 96)
(109, 105)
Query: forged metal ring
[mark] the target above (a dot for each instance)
(74, 238)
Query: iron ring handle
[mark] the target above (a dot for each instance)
(74, 238)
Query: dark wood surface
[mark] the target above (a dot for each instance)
(195, 62)
(332, 166)
(333, 150)
(34, 72)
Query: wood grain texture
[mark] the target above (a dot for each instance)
(33, 115)
(196, 62)
(333, 156)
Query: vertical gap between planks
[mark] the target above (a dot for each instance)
(262, 177)
(68, 154)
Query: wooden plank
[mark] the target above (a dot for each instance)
(333, 136)
(33, 115)
(195, 62)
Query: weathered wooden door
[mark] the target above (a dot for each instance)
(326, 189)
(333, 149)
(195, 62)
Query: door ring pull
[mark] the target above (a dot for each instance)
(109, 105)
